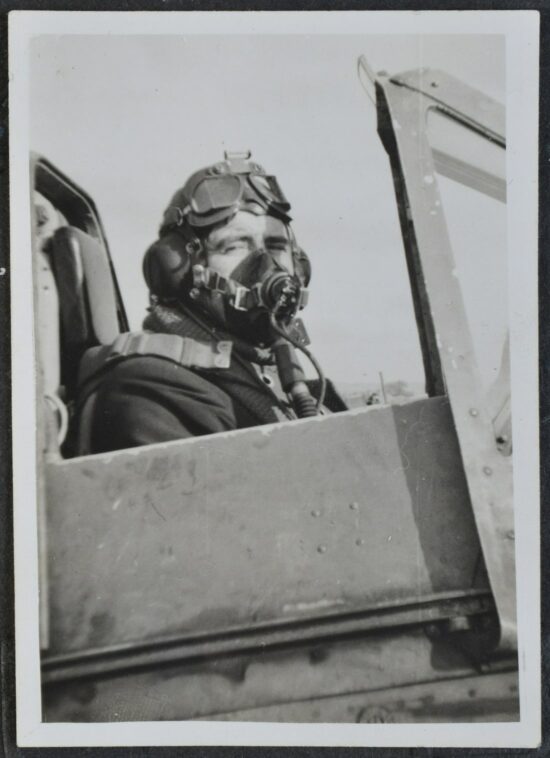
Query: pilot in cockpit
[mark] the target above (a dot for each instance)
(218, 352)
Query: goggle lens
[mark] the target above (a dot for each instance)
(220, 193)
(216, 193)
(267, 187)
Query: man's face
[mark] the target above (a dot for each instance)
(230, 244)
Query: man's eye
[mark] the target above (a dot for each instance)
(230, 247)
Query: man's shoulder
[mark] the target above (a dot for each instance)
(156, 351)
(141, 399)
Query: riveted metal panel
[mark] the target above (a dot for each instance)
(453, 96)
(290, 521)
(441, 314)
(469, 699)
(472, 611)
(286, 684)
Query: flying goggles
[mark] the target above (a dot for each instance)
(217, 192)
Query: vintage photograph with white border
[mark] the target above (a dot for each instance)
(275, 378)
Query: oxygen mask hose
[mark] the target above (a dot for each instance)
(291, 373)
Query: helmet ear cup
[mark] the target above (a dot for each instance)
(165, 265)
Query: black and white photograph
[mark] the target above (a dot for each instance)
(275, 389)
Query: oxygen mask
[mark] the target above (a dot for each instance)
(280, 294)
(267, 285)
(260, 301)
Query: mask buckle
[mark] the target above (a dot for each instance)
(239, 299)
(206, 278)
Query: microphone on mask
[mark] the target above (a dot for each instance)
(282, 295)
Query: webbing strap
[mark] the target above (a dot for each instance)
(185, 351)
(242, 298)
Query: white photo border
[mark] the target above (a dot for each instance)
(521, 29)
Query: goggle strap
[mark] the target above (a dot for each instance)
(173, 215)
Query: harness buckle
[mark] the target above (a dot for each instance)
(206, 355)
(222, 359)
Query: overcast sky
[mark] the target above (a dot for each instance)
(129, 118)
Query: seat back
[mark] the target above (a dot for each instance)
(87, 298)
(78, 303)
